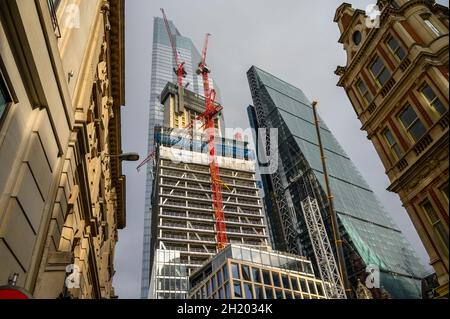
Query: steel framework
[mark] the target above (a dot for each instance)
(288, 224)
(329, 271)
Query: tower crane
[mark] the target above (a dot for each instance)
(211, 111)
(179, 69)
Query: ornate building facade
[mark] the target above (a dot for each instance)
(62, 192)
(396, 78)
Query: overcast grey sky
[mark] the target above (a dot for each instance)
(295, 40)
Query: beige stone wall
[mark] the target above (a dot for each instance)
(420, 170)
(60, 189)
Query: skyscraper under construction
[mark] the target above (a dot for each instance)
(183, 218)
(163, 63)
(369, 235)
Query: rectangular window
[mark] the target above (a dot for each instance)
(432, 26)
(444, 191)
(256, 275)
(276, 279)
(392, 143)
(245, 272)
(362, 88)
(379, 71)
(412, 123)
(235, 271)
(266, 276)
(432, 99)
(258, 292)
(395, 47)
(294, 283)
(237, 289)
(285, 280)
(279, 294)
(269, 293)
(436, 222)
(5, 99)
(248, 291)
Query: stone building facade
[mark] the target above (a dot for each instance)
(62, 192)
(396, 78)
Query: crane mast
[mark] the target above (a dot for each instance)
(179, 69)
(211, 110)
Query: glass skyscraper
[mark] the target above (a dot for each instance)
(370, 237)
(161, 73)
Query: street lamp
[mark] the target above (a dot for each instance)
(129, 157)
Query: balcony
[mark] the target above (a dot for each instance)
(422, 144)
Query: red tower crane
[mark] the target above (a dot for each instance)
(211, 111)
(208, 117)
(179, 69)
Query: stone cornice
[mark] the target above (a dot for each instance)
(386, 13)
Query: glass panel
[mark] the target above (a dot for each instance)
(256, 256)
(227, 291)
(265, 258)
(276, 279)
(393, 43)
(274, 260)
(285, 280)
(279, 294)
(303, 285)
(269, 293)
(408, 116)
(259, 292)
(312, 287)
(298, 296)
(429, 209)
(235, 271)
(221, 296)
(417, 130)
(248, 291)
(437, 104)
(362, 87)
(237, 290)
(4, 97)
(443, 233)
(389, 137)
(376, 67)
(384, 76)
(444, 190)
(225, 273)
(208, 288)
(319, 288)
(428, 93)
(288, 294)
(219, 278)
(294, 283)
(401, 53)
(266, 276)
(213, 279)
(256, 275)
(246, 272)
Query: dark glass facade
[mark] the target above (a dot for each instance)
(369, 234)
